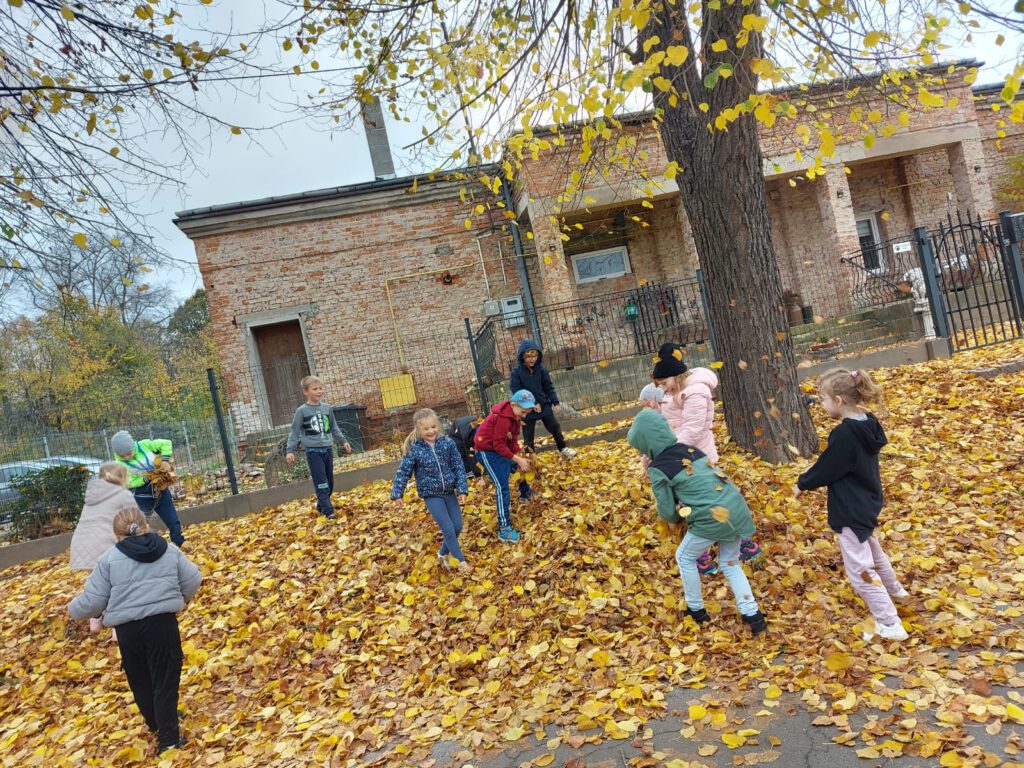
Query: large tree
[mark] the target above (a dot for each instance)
(711, 71)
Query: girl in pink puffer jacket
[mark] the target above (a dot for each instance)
(689, 408)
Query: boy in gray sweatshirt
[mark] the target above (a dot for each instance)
(315, 425)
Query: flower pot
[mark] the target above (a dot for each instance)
(793, 315)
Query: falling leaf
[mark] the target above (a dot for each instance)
(80, 240)
(721, 514)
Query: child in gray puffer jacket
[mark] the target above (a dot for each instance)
(138, 586)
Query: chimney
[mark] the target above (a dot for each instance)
(377, 138)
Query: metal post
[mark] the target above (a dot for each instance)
(1014, 268)
(106, 445)
(524, 278)
(223, 431)
(935, 299)
(707, 312)
(476, 367)
(46, 446)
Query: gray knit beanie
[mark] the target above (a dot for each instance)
(122, 442)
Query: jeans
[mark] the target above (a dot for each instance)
(692, 547)
(871, 575)
(547, 415)
(151, 659)
(321, 469)
(163, 505)
(448, 516)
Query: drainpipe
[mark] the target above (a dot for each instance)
(517, 245)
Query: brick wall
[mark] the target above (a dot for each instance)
(340, 265)
(1002, 139)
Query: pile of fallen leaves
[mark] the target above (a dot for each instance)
(344, 642)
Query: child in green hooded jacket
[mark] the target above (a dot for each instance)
(686, 487)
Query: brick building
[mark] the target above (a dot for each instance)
(369, 285)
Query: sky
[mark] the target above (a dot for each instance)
(305, 155)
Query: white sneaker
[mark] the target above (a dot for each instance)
(568, 452)
(902, 594)
(888, 631)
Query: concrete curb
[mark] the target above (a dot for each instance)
(246, 503)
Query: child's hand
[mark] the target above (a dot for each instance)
(398, 505)
(796, 491)
(461, 498)
(290, 458)
(522, 462)
(347, 447)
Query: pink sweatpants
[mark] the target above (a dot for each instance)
(871, 575)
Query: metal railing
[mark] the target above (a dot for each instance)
(600, 328)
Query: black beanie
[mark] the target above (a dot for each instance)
(668, 362)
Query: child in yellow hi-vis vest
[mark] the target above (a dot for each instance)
(148, 463)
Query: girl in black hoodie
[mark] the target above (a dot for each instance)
(849, 467)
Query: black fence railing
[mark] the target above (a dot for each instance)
(878, 271)
(978, 270)
(600, 328)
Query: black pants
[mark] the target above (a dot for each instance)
(162, 503)
(550, 422)
(321, 470)
(151, 659)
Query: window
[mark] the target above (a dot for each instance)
(598, 265)
(871, 248)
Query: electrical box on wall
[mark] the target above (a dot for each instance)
(512, 311)
(492, 308)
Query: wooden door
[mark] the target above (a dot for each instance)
(283, 363)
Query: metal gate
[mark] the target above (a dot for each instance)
(977, 275)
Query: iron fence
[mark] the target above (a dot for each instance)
(974, 268)
(594, 330)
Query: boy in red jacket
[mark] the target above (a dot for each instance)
(497, 447)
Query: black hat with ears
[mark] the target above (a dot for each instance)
(668, 362)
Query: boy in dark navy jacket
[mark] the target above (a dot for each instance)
(531, 375)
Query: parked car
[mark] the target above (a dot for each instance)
(8, 473)
(90, 463)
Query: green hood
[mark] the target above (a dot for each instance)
(650, 433)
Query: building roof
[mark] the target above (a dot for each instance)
(327, 194)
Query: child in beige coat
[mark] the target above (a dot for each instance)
(105, 495)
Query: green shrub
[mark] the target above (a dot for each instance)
(50, 501)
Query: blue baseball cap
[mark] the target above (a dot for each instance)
(524, 399)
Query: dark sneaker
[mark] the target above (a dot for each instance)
(179, 744)
(757, 623)
(749, 550)
(525, 493)
(705, 565)
(700, 615)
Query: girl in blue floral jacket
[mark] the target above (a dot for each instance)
(440, 474)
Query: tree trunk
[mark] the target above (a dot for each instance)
(722, 187)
